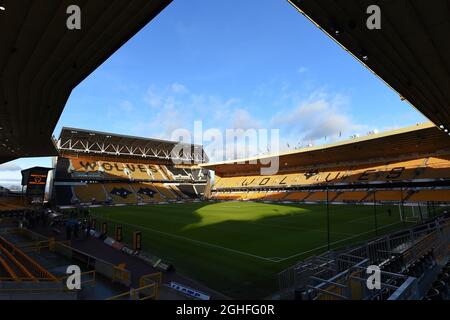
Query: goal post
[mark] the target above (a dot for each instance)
(413, 212)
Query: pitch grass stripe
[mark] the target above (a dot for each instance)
(297, 228)
(336, 242)
(192, 240)
(272, 259)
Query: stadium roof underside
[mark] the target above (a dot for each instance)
(404, 144)
(94, 143)
(411, 51)
(42, 61)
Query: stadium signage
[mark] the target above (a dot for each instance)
(110, 166)
(188, 291)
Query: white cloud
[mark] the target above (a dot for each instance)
(302, 70)
(302, 119)
(152, 97)
(179, 88)
(10, 167)
(317, 117)
(175, 107)
(242, 119)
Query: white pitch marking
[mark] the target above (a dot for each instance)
(272, 259)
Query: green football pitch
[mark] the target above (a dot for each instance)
(237, 248)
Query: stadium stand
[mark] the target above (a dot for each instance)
(147, 192)
(165, 191)
(321, 196)
(12, 203)
(413, 265)
(121, 193)
(90, 193)
(62, 195)
(296, 196)
(386, 179)
(420, 169)
(442, 195)
(107, 176)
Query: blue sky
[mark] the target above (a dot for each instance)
(231, 64)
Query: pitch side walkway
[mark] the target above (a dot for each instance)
(137, 267)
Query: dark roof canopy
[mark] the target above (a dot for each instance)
(411, 51)
(41, 61)
(407, 143)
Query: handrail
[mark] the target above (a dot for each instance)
(20, 279)
(8, 269)
(18, 264)
(41, 270)
(133, 293)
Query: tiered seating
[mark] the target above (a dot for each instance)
(121, 193)
(118, 170)
(351, 196)
(179, 173)
(418, 169)
(255, 196)
(24, 264)
(230, 196)
(12, 203)
(147, 192)
(440, 287)
(165, 191)
(90, 193)
(390, 195)
(321, 196)
(437, 168)
(430, 195)
(156, 173)
(189, 190)
(275, 196)
(177, 192)
(296, 196)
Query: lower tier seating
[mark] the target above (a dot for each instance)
(339, 196)
(90, 193)
(121, 193)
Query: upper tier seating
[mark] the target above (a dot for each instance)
(133, 170)
(419, 169)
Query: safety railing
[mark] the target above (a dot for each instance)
(41, 271)
(143, 293)
(408, 244)
(9, 270)
(17, 264)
